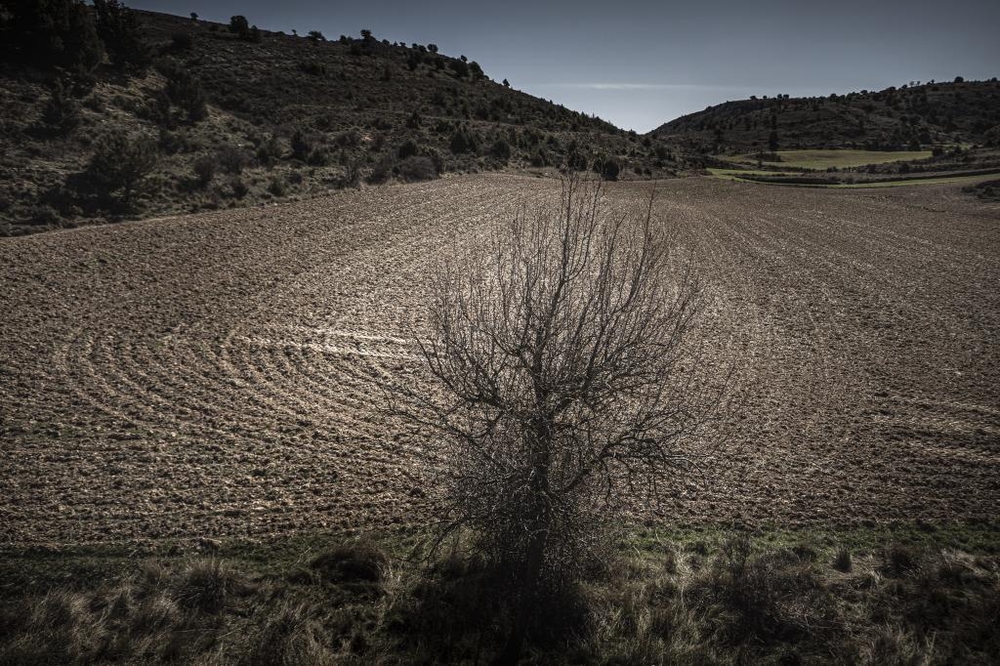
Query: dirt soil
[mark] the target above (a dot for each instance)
(211, 375)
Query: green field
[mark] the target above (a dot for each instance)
(823, 159)
(736, 174)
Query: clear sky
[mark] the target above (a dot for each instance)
(640, 64)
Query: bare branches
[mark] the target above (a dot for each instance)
(563, 369)
(563, 380)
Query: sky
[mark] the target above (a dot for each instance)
(640, 64)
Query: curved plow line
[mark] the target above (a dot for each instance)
(326, 348)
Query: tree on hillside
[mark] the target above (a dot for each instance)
(117, 171)
(184, 91)
(476, 71)
(772, 141)
(607, 168)
(119, 29)
(239, 26)
(563, 384)
(460, 68)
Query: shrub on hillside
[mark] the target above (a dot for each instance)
(460, 68)
(417, 168)
(540, 158)
(232, 159)
(239, 26)
(407, 149)
(269, 151)
(348, 139)
(608, 168)
(302, 145)
(181, 41)
(61, 113)
(184, 91)
(117, 171)
(500, 150)
(313, 68)
(381, 172)
(463, 141)
(204, 169)
(575, 161)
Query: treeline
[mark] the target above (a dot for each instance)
(70, 36)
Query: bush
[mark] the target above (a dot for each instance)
(184, 91)
(118, 169)
(348, 139)
(45, 216)
(61, 113)
(500, 150)
(181, 41)
(463, 141)
(269, 151)
(277, 187)
(204, 586)
(302, 145)
(842, 561)
(318, 157)
(239, 26)
(355, 563)
(204, 169)
(239, 188)
(607, 167)
(531, 479)
(287, 636)
(313, 68)
(417, 168)
(460, 68)
(171, 142)
(381, 172)
(232, 159)
(576, 161)
(407, 149)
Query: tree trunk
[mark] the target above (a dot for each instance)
(527, 595)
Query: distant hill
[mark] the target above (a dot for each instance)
(226, 117)
(926, 115)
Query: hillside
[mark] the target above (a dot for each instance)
(927, 115)
(222, 118)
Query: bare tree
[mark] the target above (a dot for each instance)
(563, 380)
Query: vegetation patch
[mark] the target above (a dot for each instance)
(821, 160)
(661, 596)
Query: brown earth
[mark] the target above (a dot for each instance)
(211, 375)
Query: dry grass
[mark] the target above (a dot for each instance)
(720, 598)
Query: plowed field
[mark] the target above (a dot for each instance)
(211, 375)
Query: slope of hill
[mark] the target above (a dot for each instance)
(286, 117)
(932, 114)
